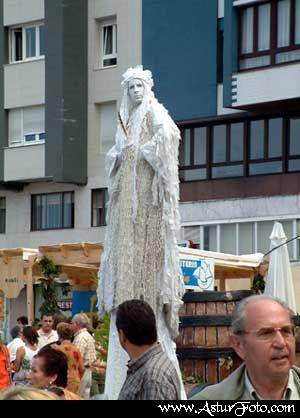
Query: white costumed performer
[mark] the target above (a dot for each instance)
(140, 259)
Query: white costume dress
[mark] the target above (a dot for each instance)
(140, 259)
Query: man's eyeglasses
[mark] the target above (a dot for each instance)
(269, 333)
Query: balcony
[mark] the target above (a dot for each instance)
(24, 163)
(24, 83)
(264, 86)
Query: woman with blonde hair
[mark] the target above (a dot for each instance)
(27, 394)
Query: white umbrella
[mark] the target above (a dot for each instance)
(279, 282)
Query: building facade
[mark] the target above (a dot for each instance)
(227, 71)
(59, 89)
(60, 71)
(239, 164)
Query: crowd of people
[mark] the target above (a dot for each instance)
(57, 356)
(56, 364)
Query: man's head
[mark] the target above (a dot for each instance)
(263, 336)
(79, 321)
(22, 321)
(16, 332)
(47, 322)
(136, 323)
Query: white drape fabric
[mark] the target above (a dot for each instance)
(143, 217)
(140, 258)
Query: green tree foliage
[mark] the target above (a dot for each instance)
(48, 286)
(101, 334)
(258, 284)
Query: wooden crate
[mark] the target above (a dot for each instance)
(203, 344)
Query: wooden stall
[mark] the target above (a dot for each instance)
(78, 262)
(16, 271)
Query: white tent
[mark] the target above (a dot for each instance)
(279, 281)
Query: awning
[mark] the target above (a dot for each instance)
(229, 266)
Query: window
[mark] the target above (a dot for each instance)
(266, 138)
(52, 211)
(108, 125)
(269, 34)
(192, 154)
(240, 147)
(211, 152)
(99, 201)
(26, 125)
(294, 144)
(220, 50)
(241, 238)
(109, 44)
(228, 238)
(27, 42)
(210, 238)
(227, 145)
(2, 215)
(191, 233)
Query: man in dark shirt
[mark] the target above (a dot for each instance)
(151, 374)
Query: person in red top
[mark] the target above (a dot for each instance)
(5, 370)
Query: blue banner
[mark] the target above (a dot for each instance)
(198, 273)
(84, 301)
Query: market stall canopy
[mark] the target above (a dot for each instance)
(229, 266)
(78, 262)
(14, 263)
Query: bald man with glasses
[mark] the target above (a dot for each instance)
(263, 335)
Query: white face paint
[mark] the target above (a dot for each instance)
(136, 91)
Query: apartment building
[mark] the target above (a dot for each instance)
(240, 170)
(60, 70)
(60, 84)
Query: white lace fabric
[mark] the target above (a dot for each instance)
(140, 259)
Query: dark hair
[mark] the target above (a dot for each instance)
(137, 320)
(65, 331)
(95, 321)
(47, 314)
(15, 331)
(58, 317)
(30, 334)
(23, 320)
(54, 362)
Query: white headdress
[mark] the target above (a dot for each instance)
(128, 113)
(138, 72)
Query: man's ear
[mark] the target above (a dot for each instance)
(237, 343)
(122, 337)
